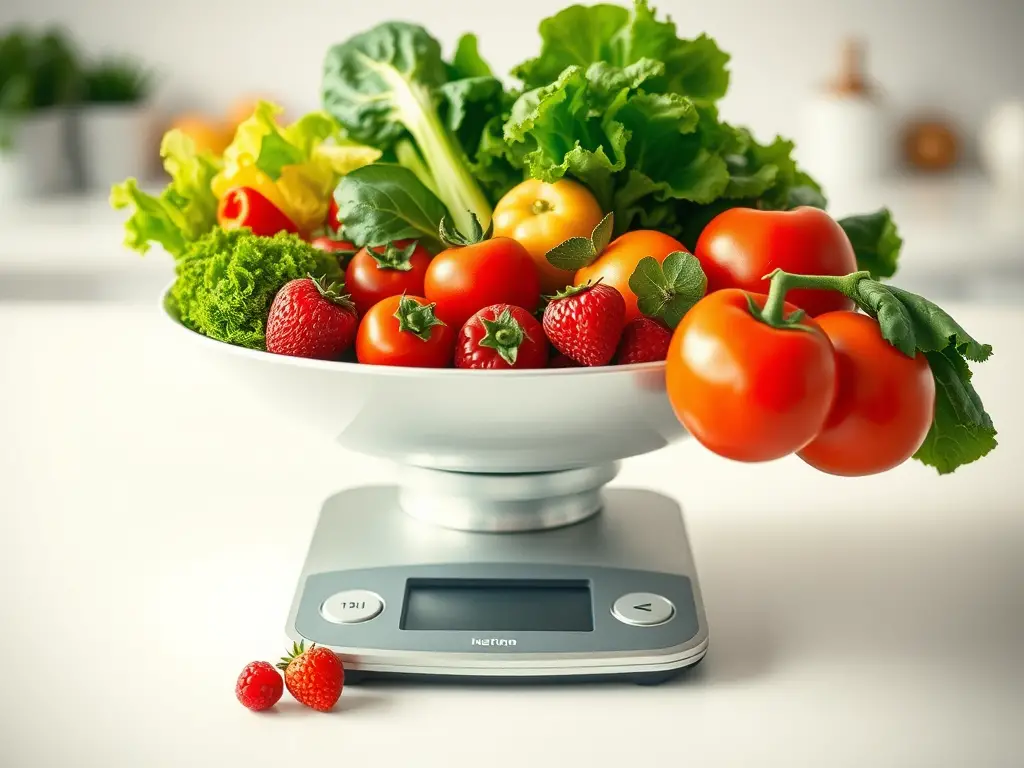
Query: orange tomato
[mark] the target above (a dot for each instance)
(744, 389)
(884, 403)
(616, 264)
(540, 216)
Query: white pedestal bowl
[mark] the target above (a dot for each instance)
(478, 450)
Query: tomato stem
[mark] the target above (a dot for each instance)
(782, 282)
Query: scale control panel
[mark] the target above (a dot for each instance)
(498, 608)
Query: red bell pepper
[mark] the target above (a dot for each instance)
(333, 223)
(244, 207)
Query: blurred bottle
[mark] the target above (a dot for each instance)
(846, 131)
(1002, 146)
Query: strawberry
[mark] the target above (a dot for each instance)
(501, 336)
(314, 677)
(643, 341)
(309, 319)
(259, 687)
(584, 322)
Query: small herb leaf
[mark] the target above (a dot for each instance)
(575, 253)
(602, 234)
(670, 289)
(451, 236)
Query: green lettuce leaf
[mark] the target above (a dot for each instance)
(183, 212)
(583, 35)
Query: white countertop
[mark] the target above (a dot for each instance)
(152, 526)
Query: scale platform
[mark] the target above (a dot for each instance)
(612, 596)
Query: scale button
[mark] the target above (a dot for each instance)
(352, 607)
(643, 609)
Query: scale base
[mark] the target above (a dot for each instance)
(635, 549)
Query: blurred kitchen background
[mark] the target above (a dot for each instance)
(917, 105)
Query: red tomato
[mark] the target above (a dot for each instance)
(375, 274)
(742, 245)
(502, 336)
(466, 279)
(326, 243)
(746, 390)
(884, 404)
(403, 331)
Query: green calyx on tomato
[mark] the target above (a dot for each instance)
(453, 238)
(668, 290)
(961, 431)
(504, 335)
(399, 259)
(578, 252)
(416, 318)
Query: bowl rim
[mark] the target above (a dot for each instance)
(364, 369)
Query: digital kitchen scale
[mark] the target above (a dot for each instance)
(613, 594)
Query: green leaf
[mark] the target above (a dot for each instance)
(573, 254)
(875, 241)
(183, 212)
(389, 84)
(452, 236)
(935, 330)
(670, 289)
(276, 153)
(582, 35)
(893, 317)
(467, 61)
(961, 432)
(382, 202)
(602, 234)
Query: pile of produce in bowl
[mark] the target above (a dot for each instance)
(596, 210)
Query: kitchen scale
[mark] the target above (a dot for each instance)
(498, 553)
(429, 592)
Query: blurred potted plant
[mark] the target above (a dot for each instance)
(39, 81)
(115, 122)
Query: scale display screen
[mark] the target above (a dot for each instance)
(495, 606)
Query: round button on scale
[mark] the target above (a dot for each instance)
(352, 607)
(643, 609)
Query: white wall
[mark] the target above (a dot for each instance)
(957, 55)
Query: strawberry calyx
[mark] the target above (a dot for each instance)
(333, 292)
(297, 650)
(399, 259)
(504, 335)
(416, 318)
(573, 290)
(453, 238)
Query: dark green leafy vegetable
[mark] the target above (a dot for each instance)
(875, 241)
(390, 84)
(383, 202)
(226, 282)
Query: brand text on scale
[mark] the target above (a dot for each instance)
(500, 641)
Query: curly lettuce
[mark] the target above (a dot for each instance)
(227, 280)
(184, 211)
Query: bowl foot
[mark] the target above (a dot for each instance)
(504, 503)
